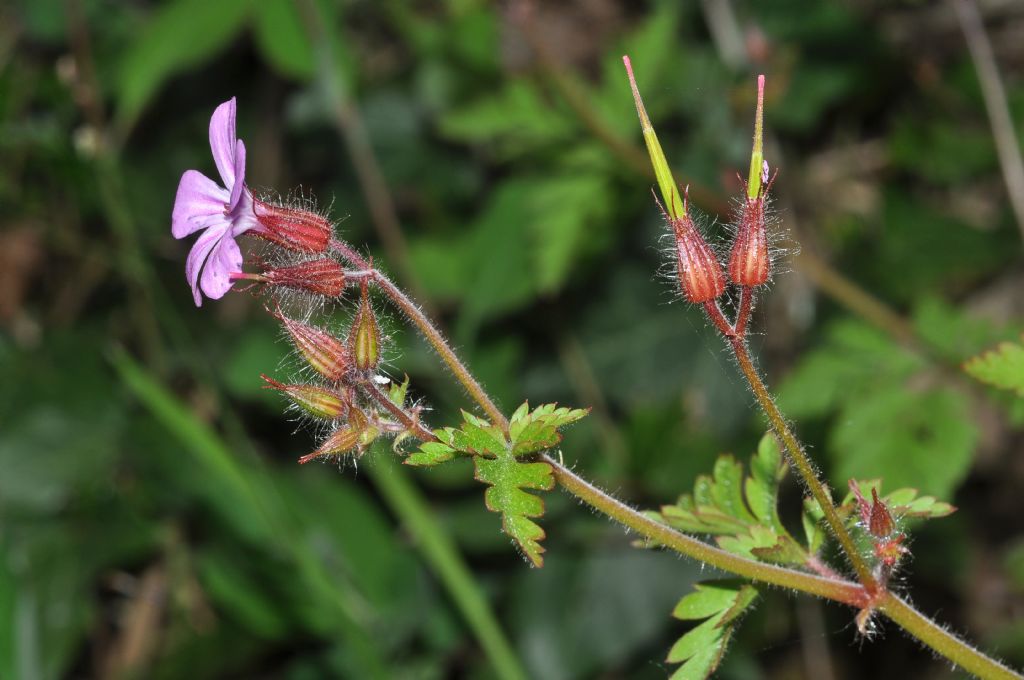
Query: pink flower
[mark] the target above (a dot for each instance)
(223, 212)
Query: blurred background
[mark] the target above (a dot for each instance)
(153, 521)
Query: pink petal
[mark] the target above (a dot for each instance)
(198, 256)
(222, 141)
(243, 217)
(225, 258)
(198, 199)
(239, 170)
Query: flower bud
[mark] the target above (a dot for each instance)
(700, 273)
(364, 337)
(323, 276)
(326, 354)
(749, 264)
(875, 516)
(880, 523)
(295, 229)
(356, 435)
(318, 402)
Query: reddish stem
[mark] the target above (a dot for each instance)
(746, 305)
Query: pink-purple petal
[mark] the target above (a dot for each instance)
(239, 170)
(222, 141)
(198, 199)
(224, 259)
(243, 217)
(222, 212)
(198, 256)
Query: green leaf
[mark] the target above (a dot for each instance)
(909, 439)
(763, 544)
(282, 39)
(430, 454)
(834, 374)
(701, 649)
(565, 210)
(882, 426)
(182, 34)
(742, 513)
(497, 465)
(511, 121)
(538, 429)
(767, 469)
(398, 392)
(508, 478)
(812, 519)
(498, 271)
(478, 437)
(707, 599)
(1001, 367)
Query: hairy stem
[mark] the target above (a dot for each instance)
(429, 332)
(662, 534)
(410, 421)
(746, 306)
(942, 641)
(803, 464)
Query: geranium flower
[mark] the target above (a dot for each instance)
(224, 212)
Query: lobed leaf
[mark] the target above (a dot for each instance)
(497, 464)
(762, 543)
(767, 468)
(538, 429)
(701, 649)
(430, 454)
(812, 519)
(1002, 367)
(508, 478)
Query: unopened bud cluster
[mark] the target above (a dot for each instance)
(342, 370)
(877, 521)
(341, 367)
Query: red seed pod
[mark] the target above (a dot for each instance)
(325, 353)
(880, 524)
(322, 276)
(875, 516)
(295, 229)
(318, 402)
(749, 263)
(700, 273)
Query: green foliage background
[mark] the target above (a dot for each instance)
(153, 522)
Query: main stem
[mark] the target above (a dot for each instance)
(942, 641)
(903, 614)
(838, 590)
(799, 458)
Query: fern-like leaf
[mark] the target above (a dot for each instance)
(498, 464)
(701, 650)
(740, 512)
(1001, 367)
(537, 430)
(508, 478)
